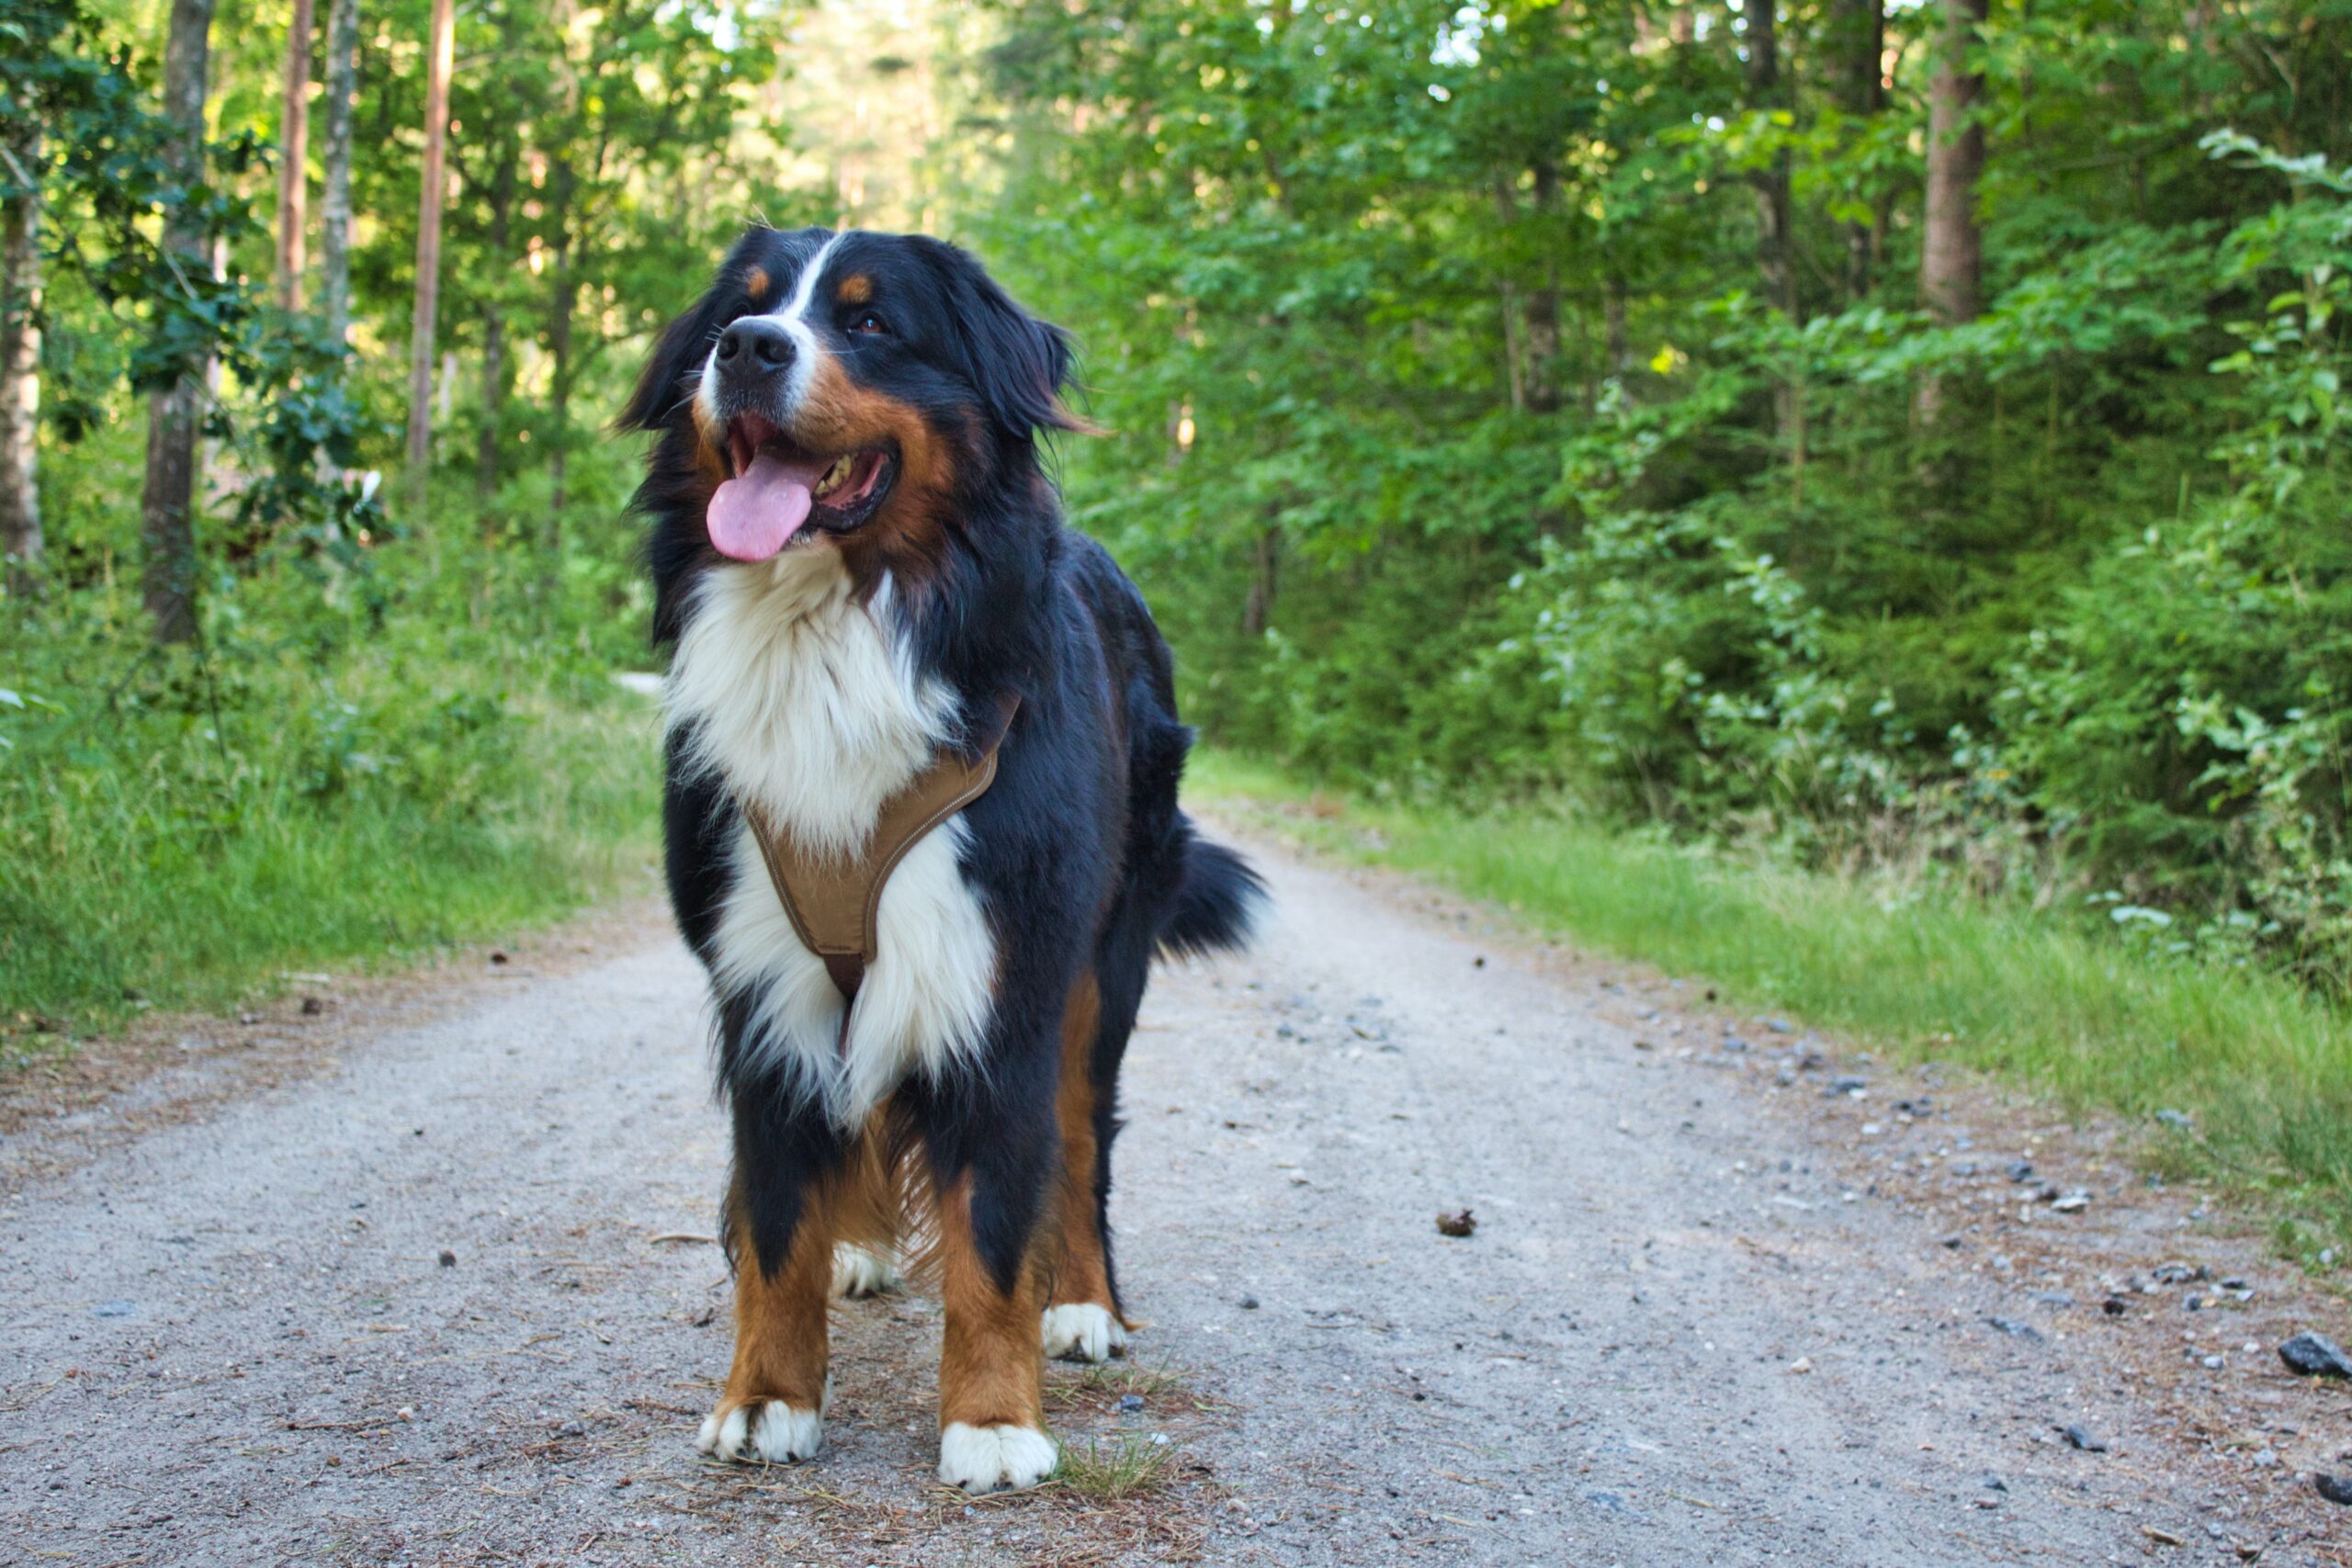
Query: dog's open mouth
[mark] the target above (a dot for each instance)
(780, 491)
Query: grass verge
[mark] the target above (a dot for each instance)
(2261, 1069)
(147, 864)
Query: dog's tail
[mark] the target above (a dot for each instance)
(1219, 900)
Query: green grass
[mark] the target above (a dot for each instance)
(1131, 1466)
(2263, 1068)
(145, 864)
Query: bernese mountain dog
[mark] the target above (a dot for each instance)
(863, 575)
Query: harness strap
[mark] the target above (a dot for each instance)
(834, 901)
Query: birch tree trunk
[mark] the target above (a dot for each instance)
(20, 540)
(334, 210)
(166, 527)
(428, 254)
(294, 146)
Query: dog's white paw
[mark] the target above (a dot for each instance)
(1081, 1331)
(860, 1271)
(995, 1459)
(763, 1429)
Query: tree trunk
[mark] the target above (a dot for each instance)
(1540, 339)
(1616, 331)
(1775, 250)
(1258, 609)
(563, 299)
(334, 210)
(430, 198)
(1951, 254)
(559, 308)
(20, 542)
(1773, 255)
(493, 324)
(294, 146)
(167, 528)
(1857, 46)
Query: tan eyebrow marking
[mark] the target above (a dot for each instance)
(855, 290)
(755, 282)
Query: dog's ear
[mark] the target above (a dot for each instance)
(1019, 365)
(667, 383)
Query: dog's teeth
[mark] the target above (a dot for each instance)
(834, 476)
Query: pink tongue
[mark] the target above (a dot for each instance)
(754, 514)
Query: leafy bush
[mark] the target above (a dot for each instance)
(364, 754)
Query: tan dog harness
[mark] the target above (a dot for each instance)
(834, 899)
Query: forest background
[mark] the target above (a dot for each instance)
(1900, 448)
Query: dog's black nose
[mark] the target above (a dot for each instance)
(754, 345)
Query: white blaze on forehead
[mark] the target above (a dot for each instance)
(793, 315)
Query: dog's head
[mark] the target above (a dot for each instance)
(853, 391)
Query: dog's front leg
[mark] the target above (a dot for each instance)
(989, 1192)
(779, 1218)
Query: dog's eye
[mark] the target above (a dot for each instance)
(867, 323)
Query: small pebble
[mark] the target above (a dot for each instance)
(2082, 1438)
(448, 1258)
(1130, 1402)
(2334, 1488)
(1247, 1304)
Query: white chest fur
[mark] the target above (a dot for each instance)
(805, 700)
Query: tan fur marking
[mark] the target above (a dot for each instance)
(781, 1346)
(755, 283)
(781, 1328)
(1079, 1273)
(907, 537)
(856, 289)
(991, 1363)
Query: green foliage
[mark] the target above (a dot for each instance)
(1466, 453)
(360, 759)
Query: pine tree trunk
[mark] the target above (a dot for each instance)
(430, 198)
(493, 324)
(294, 143)
(1772, 182)
(166, 526)
(1775, 250)
(20, 540)
(562, 300)
(1541, 338)
(1951, 253)
(560, 305)
(1616, 329)
(1265, 559)
(1857, 44)
(334, 207)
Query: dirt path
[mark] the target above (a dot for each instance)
(428, 1306)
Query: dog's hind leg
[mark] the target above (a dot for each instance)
(1081, 1320)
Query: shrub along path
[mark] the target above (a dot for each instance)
(433, 1305)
